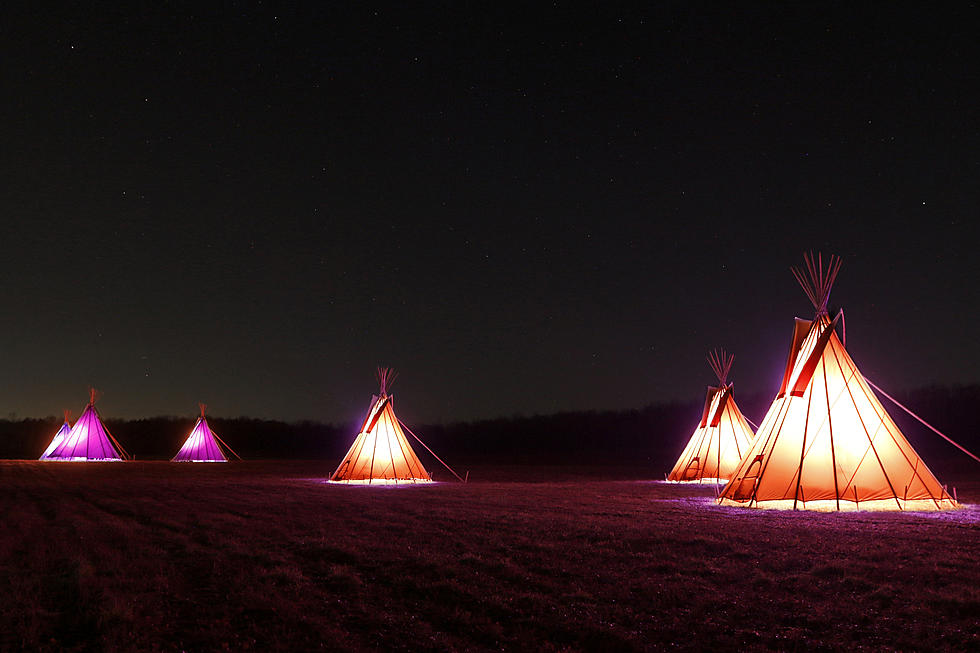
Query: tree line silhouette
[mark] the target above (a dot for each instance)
(651, 435)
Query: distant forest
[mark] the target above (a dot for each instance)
(652, 435)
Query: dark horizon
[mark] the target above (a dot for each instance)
(522, 213)
(652, 436)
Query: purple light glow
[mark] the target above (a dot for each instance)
(200, 446)
(87, 440)
(59, 437)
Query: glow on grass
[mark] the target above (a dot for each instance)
(703, 481)
(384, 481)
(831, 505)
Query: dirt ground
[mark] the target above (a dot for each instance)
(266, 556)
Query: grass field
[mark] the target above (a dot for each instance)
(259, 556)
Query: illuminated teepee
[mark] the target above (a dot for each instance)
(201, 446)
(58, 437)
(381, 452)
(826, 442)
(89, 439)
(717, 445)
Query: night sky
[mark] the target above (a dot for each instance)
(521, 212)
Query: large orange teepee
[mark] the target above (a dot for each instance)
(826, 442)
(381, 452)
(713, 452)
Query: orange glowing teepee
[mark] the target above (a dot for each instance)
(826, 442)
(381, 452)
(713, 452)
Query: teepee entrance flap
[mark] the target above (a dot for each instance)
(806, 372)
(725, 393)
(800, 330)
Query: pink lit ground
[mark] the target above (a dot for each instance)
(150, 556)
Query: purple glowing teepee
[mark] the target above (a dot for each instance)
(59, 437)
(88, 439)
(201, 446)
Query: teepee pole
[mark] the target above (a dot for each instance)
(218, 438)
(125, 454)
(718, 462)
(738, 449)
(867, 433)
(352, 458)
(88, 439)
(773, 437)
(374, 453)
(830, 425)
(405, 426)
(408, 455)
(925, 423)
(799, 469)
(869, 395)
(391, 457)
(405, 456)
(701, 456)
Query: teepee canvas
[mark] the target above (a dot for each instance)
(88, 439)
(201, 446)
(716, 447)
(58, 437)
(827, 442)
(381, 452)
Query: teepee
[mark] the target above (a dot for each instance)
(381, 452)
(717, 445)
(58, 437)
(89, 439)
(201, 446)
(827, 442)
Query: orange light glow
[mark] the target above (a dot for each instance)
(828, 444)
(716, 447)
(382, 481)
(381, 452)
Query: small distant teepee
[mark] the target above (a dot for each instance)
(827, 442)
(89, 439)
(717, 445)
(381, 452)
(201, 446)
(58, 437)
